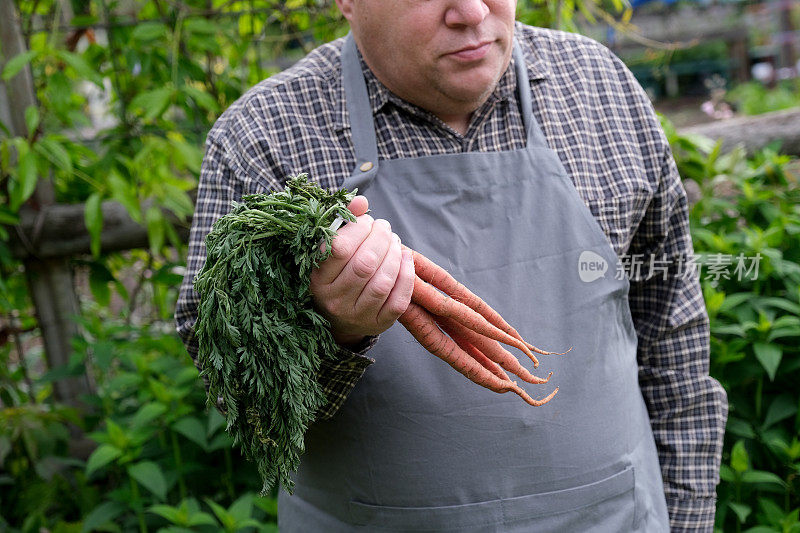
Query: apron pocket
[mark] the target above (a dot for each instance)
(605, 505)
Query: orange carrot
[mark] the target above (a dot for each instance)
(440, 278)
(441, 304)
(491, 349)
(422, 326)
(448, 326)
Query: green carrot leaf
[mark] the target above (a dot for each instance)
(260, 340)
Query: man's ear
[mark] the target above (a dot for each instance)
(346, 7)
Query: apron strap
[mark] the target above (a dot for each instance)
(534, 132)
(362, 124)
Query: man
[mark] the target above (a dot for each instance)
(520, 159)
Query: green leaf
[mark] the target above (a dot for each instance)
(150, 477)
(780, 303)
(740, 428)
(103, 354)
(83, 69)
(5, 449)
(783, 407)
(17, 63)
(221, 441)
(104, 454)
(760, 476)
(729, 329)
(769, 355)
(191, 155)
(150, 31)
(242, 508)
(215, 422)
(726, 473)
(771, 510)
(147, 413)
(101, 515)
(202, 98)
(153, 103)
(202, 26)
(155, 228)
(93, 217)
(192, 428)
(177, 201)
(739, 459)
(783, 332)
(225, 518)
(742, 511)
(791, 522)
(8, 217)
(201, 519)
(27, 177)
(733, 300)
(54, 151)
(99, 278)
(172, 514)
(31, 118)
(117, 434)
(125, 194)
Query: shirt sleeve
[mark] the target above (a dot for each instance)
(218, 188)
(688, 409)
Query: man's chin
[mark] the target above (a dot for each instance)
(472, 92)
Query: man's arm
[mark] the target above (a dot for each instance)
(218, 188)
(688, 408)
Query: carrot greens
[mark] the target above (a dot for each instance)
(260, 339)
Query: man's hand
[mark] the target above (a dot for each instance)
(366, 284)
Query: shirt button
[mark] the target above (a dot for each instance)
(366, 166)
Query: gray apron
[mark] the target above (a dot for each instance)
(417, 446)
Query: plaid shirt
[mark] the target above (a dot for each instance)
(599, 121)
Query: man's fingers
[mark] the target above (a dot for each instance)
(348, 239)
(358, 205)
(381, 283)
(366, 260)
(398, 300)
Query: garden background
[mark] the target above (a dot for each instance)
(105, 108)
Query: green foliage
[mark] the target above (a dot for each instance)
(260, 339)
(158, 452)
(751, 206)
(753, 98)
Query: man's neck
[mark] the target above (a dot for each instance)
(459, 123)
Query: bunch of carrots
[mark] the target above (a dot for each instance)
(261, 343)
(457, 326)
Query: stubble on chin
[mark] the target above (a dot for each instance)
(463, 100)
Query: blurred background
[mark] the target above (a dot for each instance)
(104, 108)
